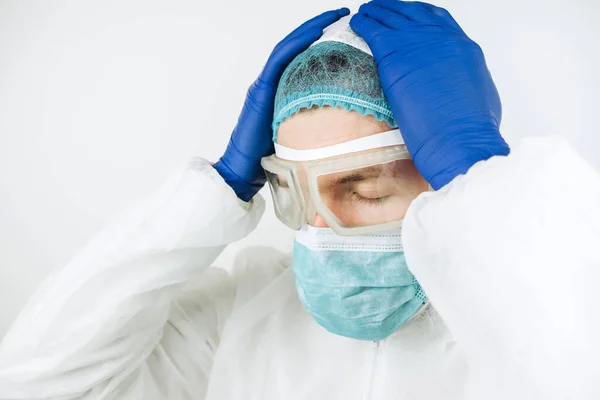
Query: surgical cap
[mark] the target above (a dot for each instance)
(333, 73)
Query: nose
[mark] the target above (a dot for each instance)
(319, 222)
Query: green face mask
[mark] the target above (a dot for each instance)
(355, 286)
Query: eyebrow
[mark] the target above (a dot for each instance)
(357, 176)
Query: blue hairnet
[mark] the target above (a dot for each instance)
(331, 74)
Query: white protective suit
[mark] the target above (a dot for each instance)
(508, 255)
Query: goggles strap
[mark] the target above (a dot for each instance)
(384, 139)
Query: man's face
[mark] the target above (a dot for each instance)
(368, 196)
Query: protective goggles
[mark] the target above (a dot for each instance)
(358, 187)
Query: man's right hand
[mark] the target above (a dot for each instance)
(252, 137)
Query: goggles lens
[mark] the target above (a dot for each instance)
(287, 206)
(371, 195)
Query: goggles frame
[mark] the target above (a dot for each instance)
(313, 169)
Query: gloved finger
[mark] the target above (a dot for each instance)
(285, 52)
(442, 13)
(384, 16)
(296, 42)
(367, 27)
(321, 21)
(411, 10)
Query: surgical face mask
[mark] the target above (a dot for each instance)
(356, 286)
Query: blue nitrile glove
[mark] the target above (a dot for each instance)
(252, 137)
(437, 84)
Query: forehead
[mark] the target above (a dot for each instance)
(326, 126)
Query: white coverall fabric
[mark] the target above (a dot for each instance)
(507, 254)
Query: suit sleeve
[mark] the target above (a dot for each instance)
(508, 255)
(116, 321)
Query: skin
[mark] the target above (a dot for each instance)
(326, 126)
(374, 195)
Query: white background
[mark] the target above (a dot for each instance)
(99, 100)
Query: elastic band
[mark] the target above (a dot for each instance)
(389, 138)
(336, 97)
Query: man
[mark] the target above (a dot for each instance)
(509, 310)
